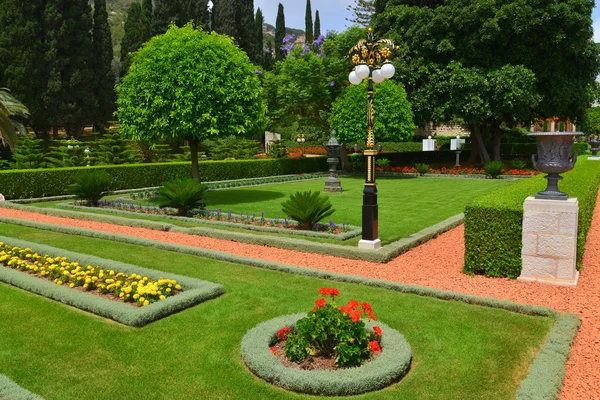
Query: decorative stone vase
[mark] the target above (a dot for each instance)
(595, 143)
(554, 158)
(332, 183)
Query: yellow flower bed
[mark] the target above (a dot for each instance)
(132, 288)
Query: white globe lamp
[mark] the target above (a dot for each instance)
(354, 79)
(388, 70)
(377, 76)
(362, 71)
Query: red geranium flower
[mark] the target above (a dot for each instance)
(329, 291)
(282, 333)
(367, 307)
(374, 346)
(273, 350)
(355, 315)
(319, 304)
(377, 330)
(352, 304)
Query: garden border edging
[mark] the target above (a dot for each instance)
(393, 363)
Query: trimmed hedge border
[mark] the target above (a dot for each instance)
(550, 361)
(352, 232)
(382, 255)
(451, 176)
(494, 221)
(55, 181)
(195, 291)
(9, 390)
(393, 363)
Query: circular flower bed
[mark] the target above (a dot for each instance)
(391, 365)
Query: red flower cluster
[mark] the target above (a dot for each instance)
(273, 350)
(319, 304)
(307, 150)
(355, 315)
(329, 291)
(294, 155)
(453, 171)
(367, 307)
(282, 333)
(352, 304)
(377, 330)
(374, 346)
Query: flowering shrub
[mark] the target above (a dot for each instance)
(333, 331)
(129, 288)
(454, 171)
(307, 150)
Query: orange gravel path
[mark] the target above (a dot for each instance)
(436, 264)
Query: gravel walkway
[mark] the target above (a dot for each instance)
(437, 264)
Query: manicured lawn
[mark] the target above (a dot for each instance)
(406, 206)
(460, 351)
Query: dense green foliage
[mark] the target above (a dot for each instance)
(113, 149)
(279, 33)
(104, 78)
(483, 334)
(591, 125)
(66, 153)
(29, 153)
(494, 222)
(308, 24)
(307, 208)
(362, 11)
(210, 99)
(182, 194)
(12, 114)
(137, 31)
(225, 17)
(19, 184)
(493, 168)
(245, 28)
(91, 186)
(489, 64)
(392, 120)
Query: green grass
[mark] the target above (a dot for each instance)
(460, 351)
(406, 206)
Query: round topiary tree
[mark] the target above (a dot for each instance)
(189, 85)
(393, 117)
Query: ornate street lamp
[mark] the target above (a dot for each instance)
(300, 139)
(371, 60)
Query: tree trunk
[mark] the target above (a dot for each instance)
(194, 144)
(496, 140)
(479, 153)
(344, 162)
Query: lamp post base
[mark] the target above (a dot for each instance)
(369, 244)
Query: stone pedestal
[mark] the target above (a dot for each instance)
(549, 250)
(369, 244)
(595, 158)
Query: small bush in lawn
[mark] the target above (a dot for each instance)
(494, 168)
(182, 194)
(307, 208)
(518, 164)
(382, 162)
(91, 187)
(332, 331)
(422, 168)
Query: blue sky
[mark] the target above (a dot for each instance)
(333, 13)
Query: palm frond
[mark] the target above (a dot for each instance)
(7, 130)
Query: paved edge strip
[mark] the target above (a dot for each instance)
(383, 255)
(546, 373)
(195, 291)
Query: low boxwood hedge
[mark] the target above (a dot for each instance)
(389, 367)
(494, 222)
(11, 391)
(20, 184)
(195, 291)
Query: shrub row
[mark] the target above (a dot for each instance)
(19, 184)
(389, 367)
(550, 361)
(382, 255)
(494, 222)
(195, 291)
(353, 231)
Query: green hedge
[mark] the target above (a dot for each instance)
(392, 364)
(9, 390)
(195, 291)
(493, 222)
(20, 184)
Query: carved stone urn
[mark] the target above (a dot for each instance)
(554, 158)
(595, 143)
(332, 183)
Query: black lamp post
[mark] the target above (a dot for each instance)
(371, 60)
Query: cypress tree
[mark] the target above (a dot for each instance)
(137, 31)
(245, 31)
(279, 33)
(197, 12)
(317, 25)
(269, 56)
(224, 20)
(308, 24)
(258, 38)
(164, 13)
(104, 79)
(22, 57)
(68, 58)
(148, 14)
